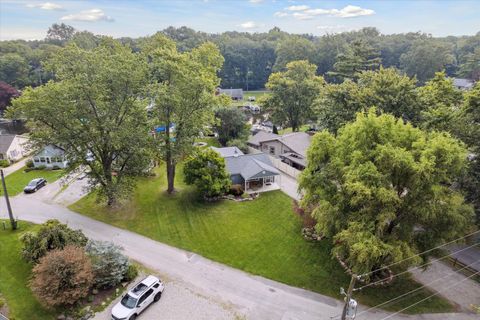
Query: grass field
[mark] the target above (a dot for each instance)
(14, 276)
(246, 94)
(17, 180)
(261, 237)
(303, 128)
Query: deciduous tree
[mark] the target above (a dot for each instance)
(183, 94)
(292, 93)
(383, 190)
(231, 124)
(94, 106)
(7, 93)
(206, 170)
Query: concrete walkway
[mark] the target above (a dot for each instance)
(289, 186)
(14, 167)
(442, 278)
(252, 296)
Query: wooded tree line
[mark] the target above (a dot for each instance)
(251, 58)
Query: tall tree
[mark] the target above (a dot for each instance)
(230, 124)
(359, 56)
(183, 94)
(390, 92)
(441, 101)
(383, 191)
(293, 48)
(14, 70)
(94, 106)
(60, 33)
(425, 58)
(471, 67)
(292, 93)
(7, 93)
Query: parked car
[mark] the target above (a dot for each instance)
(251, 98)
(34, 185)
(136, 300)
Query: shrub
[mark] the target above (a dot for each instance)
(62, 277)
(55, 167)
(206, 170)
(108, 263)
(42, 167)
(29, 163)
(132, 273)
(236, 190)
(51, 235)
(4, 163)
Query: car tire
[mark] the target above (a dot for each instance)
(157, 297)
(133, 317)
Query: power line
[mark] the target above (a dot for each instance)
(418, 254)
(415, 268)
(415, 290)
(430, 296)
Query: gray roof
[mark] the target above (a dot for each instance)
(262, 136)
(51, 151)
(463, 83)
(296, 141)
(6, 141)
(228, 151)
(250, 165)
(294, 158)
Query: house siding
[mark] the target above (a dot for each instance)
(17, 149)
(280, 148)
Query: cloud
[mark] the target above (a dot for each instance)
(250, 25)
(280, 14)
(303, 12)
(352, 11)
(255, 1)
(88, 16)
(45, 6)
(297, 8)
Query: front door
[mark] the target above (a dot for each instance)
(145, 300)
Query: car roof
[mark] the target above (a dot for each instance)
(37, 179)
(143, 285)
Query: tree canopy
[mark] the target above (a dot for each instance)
(292, 93)
(230, 125)
(383, 190)
(182, 89)
(94, 106)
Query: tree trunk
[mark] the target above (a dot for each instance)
(169, 161)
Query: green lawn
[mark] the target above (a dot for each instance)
(246, 94)
(14, 276)
(17, 180)
(260, 236)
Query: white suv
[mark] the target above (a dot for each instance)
(138, 299)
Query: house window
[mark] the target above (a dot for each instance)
(42, 159)
(48, 159)
(272, 150)
(36, 159)
(269, 179)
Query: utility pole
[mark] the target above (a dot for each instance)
(349, 295)
(9, 208)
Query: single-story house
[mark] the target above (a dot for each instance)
(50, 156)
(235, 94)
(254, 172)
(291, 148)
(463, 84)
(13, 147)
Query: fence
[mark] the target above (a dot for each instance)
(291, 171)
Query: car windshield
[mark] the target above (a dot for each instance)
(33, 183)
(128, 301)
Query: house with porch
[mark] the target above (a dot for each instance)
(254, 172)
(291, 148)
(50, 156)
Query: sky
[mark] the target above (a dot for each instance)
(24, 19)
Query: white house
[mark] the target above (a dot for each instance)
(50, 156)
(13, 147)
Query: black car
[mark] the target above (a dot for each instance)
(34, 185)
